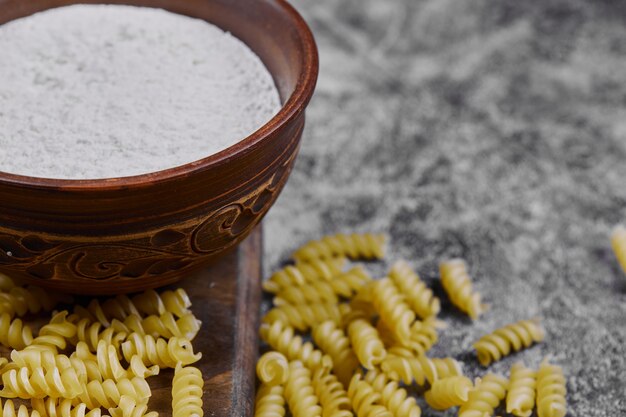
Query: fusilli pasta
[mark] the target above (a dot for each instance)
(55, 334)
(302, 273)
(551, 391)
(315, 292)
(513, 337)
(299, 392)
(272, 368)
(365, 400)
(331, 394)
(366, 342)
(417, 294)
(160, 352)
(8, 409)
(354, 246)
(282, 338)
(128, 407)
(458, 285)
(303, 316)
(409, 369)
(187, 392)
(448, 392)
(18, 301)
(270, 401)
(165, 325)
(14, 333)
(393, 310)
(334, 342)
(108, 365)
(92, 333)
(107, 394)
(24, 383)
(393, 397)
(56, 407)
(485, 397)
(520, 399)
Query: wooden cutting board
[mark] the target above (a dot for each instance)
(226, 297)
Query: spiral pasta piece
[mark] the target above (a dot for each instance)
(446, 367)
(303, 273)
(56, 407)
(299, 392)
(18, 301)
(401, 365)
(331, 393)
(160, 352)
(92, 333)
(108, 365)
(485, 397)
(282, 338)
(458, 285)
(551, 391)
(418, 296)
(393, 310)
(24, 383)
(513, 337)
(47, 360)
(108, 393)
(55, 334)
(270, 401)
(128, 407)
(367, 344)
(315, 292)
(353, 246)
(14, 333)
(350, 282)
(187, 392)
(165, 325)
(358, 308)
(365, 400)
(303, 316)
(520, 399)
(448, 392)
(334, 342)
(272, 368)
(8, 409)
(150, 302)
(618, 242)
(393, 397)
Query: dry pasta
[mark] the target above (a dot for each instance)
(302, 317)
(417, 294)
(551, 391)
(315, 292)
(300, 274)
(24, 383)
(513, 337)
(108, 365)
(487, 395)
(334, 342)
(160, 352)
(448, 392)
(14, 333)
(409, 369)
(92, 333)
(368, 346)
(618, 242)
(520, 399)
(393, 397)
(8, 409)
(270, 401)
(176, 302)
(46, 360)
(283, 339)
(55, 334)
(354, 246)
(18, 301)
(107, 394)
(187, 392)
(458, 285)
(393, 310)
(165, 325)
(272, 368)
(299, 392)
(365, 400)
(56, 407)
(331, 394)
(128, 407)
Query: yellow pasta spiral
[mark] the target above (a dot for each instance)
(485, 397)
(403, 365)
(448, 392)
(128, 407)
(187, 392)
(282, 338)
(419, 297)
(513, 337)
(55, 334)
(160, 352)
(18, 301)
(302, 273)
(350, 282)
(165, 325)
(57, 407)
(150, 302)
(354, 246)
(423, 336)
(520, 400)
(272, 368)
(365, 400)
(303, 316)
(24, 383)
(333, 341)
(108, 393)
(107, 362)
(551, 391)
(8, 409)
(393, 397)
(357, 308)
(331, 393)
(393, 310)
(458, 285)
(299, 392)
(366, 343)
(315, 292)
(14, 333)
(270, 401)
(92, 333)
(46, 360)
(618, 242)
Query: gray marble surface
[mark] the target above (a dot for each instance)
(493, 130)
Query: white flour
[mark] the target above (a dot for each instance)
(109, 91)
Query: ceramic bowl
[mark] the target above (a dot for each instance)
(127, 234)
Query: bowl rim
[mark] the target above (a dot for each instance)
(294, 105)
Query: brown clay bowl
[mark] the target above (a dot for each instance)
(127, 234)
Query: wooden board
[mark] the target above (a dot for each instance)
(226, 298)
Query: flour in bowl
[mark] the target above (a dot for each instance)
(95, 91)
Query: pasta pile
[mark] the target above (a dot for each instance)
(96, 357)
(344, 344)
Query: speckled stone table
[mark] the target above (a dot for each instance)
(493, 130)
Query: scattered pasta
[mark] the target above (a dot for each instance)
(270, 401)
(458, 285)
(507, 339)
(354, 246)
(299, 392)
(334, 342)
(448, 392)
(551, 391)
(393, 397)
(520, 399)
(417, 294)
(368, 346)
(365, 400)
(487, 395)
(272, 368)
(187, 392)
